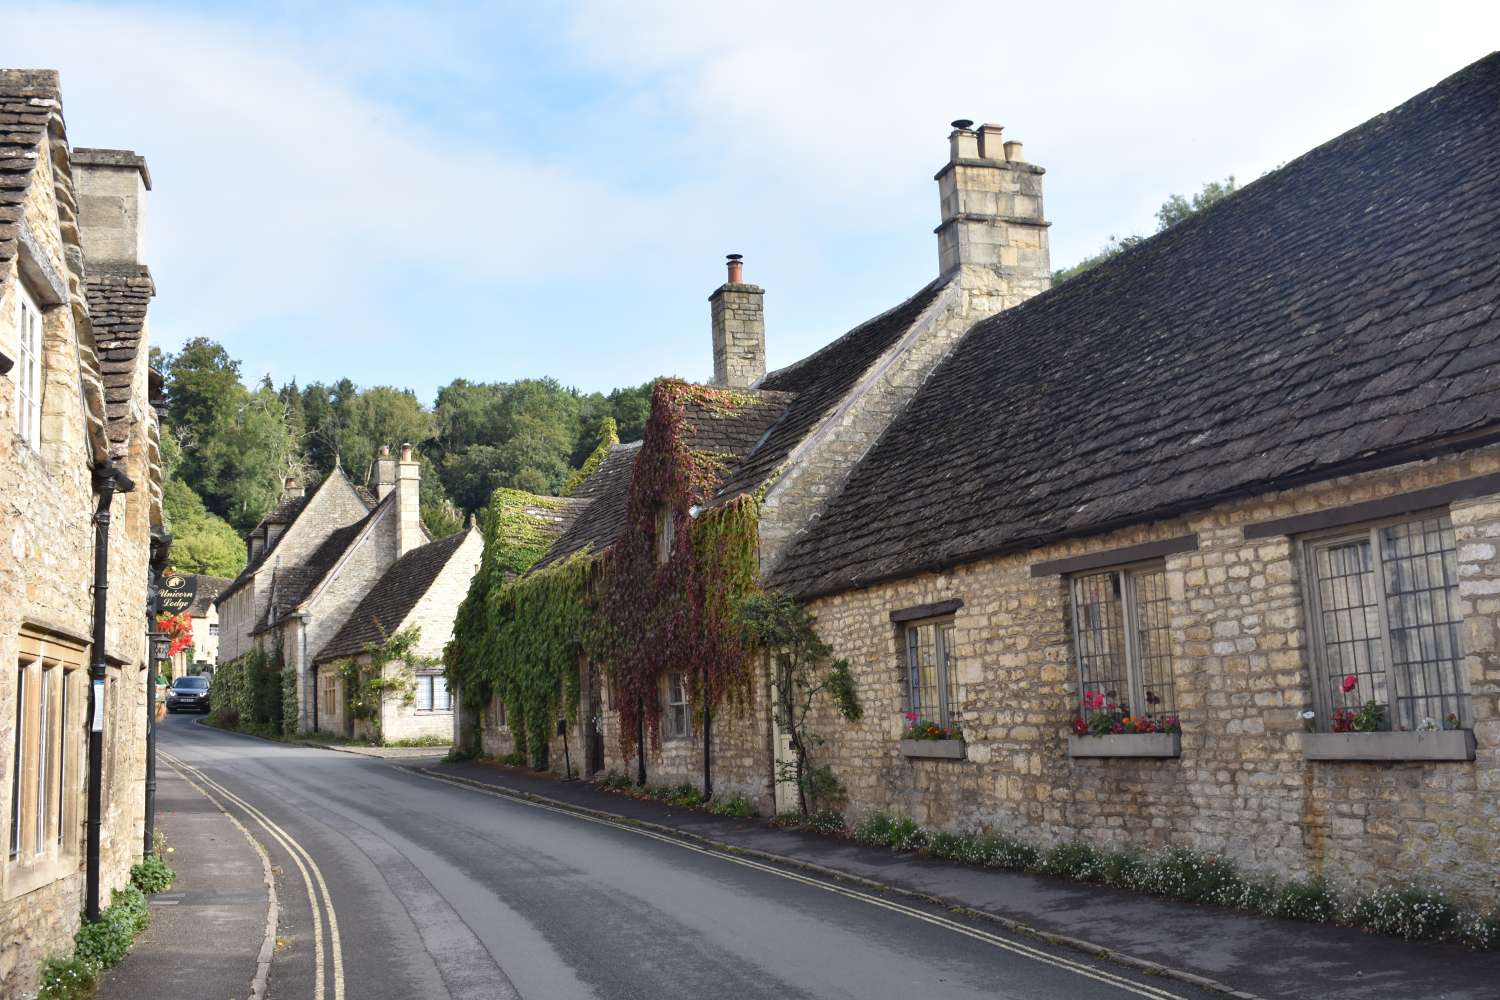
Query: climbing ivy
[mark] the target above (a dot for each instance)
(674, 615)
(609, 436)
(367, 685)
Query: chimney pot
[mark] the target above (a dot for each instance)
(736, 268)
(991, 147)
(405, 452)
(963, 142)
(1013, 152)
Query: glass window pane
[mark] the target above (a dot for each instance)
(950, 674)
(921, 665)
(440, 700)
(1154, 643)
(424, 694)
(1101, 637)
(15, 771)
(1420, 564)
(1349, 610)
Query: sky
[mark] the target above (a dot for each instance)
(405, 194)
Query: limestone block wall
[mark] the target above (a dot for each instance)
(1242, 670)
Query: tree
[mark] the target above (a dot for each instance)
(1174, 210)
(774, 623)
(201, 542)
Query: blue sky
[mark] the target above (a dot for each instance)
(408, 194)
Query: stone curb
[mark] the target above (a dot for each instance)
(1143, 965)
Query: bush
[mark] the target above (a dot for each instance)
(874, 830)
(899, 833)
(1197, 878)
(1313, 901)
(152, 875)
(684, 795)
(105, 941)
(1412, 913)
(1076, 860)
(827, 822)
(67, 979)
(737, 806)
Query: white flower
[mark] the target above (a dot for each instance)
(1427, 725)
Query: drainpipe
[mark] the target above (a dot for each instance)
(640, 743)
(161, 546)
(708, 742)
(310, 673)
(108, 480)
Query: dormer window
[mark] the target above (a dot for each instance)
(28, 369)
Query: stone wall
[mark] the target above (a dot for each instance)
(46, 509)
(1241, 665)
(737, 311)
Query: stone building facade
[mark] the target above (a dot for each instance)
(75, 401)
(1238, 481)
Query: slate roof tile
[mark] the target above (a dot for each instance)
(118, 299)
(393, 597)
(1340, 310)
(606, 493)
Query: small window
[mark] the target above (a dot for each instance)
(1122, 639)
(500, 722)
(432, 693)
(677, 706)
(1386, 625)
(932, 672)
(28, 369)
(666, 534)
(41, 785)
(213, 628)
(330, 704)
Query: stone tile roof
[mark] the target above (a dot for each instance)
(731, 433)
(118, 299)
(28, 101)
(387, 604)
(818, 383)
(1340, 312)
(606, 492)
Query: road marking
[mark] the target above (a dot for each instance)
(321, 900)
(1005, 944)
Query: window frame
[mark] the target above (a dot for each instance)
(430, 685)
(671, 731)
(1133, 666)
(46, 782)
(30, 367)
(946, 681)
(1397, 682)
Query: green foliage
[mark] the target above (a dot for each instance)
(104, 942)
(776, 624)
(201, 541)
(736, 806)
(615, 782)
(152, 875)
(609, 436)
(368, 684)
(289, 707)
(419, 741)
(69, 978)
(248, 691)
(1409, 912)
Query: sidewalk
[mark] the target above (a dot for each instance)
(208, 931)
(1243, 953)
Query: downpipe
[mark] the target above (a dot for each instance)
(108, 480)
(161, 546)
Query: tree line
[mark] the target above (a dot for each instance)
(228, 447)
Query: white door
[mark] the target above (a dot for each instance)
(784, 759)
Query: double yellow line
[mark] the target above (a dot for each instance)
(995, 940)
(318, 896)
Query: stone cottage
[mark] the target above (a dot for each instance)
(788, 439)
(422, 590)
(313, 558)
(1241, 481)
(80, 478)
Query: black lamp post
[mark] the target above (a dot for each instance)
(161, 646)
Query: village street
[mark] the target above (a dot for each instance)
(442, 891)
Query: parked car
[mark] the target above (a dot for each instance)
(188, 694)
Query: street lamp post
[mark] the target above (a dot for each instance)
(161, 645)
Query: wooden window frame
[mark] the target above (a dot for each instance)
(1397, 682)
(671, 730)
(30, 367)
(1128, 575)
(45, 785)
(943, 658)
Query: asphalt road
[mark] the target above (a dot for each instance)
(396, 886)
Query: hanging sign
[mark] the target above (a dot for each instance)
(177, 592)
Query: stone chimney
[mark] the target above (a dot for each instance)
(739, 320)
(111, 185)
(992, 221)
(383, 474)
(408, 503)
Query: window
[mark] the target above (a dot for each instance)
(1122, 639)
(213, 628)
(666, 533)
(45, 775)
(932, 671)
(677, 707)
(330, 677)
(28, 369)
(432, 693)
(1384, 611)
(499, 713)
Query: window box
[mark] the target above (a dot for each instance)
(1453, 744)
(1126, 745)
(936, 749)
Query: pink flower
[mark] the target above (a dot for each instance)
(911, 716)
(1093, 700)
(1080, 727)
(1350, 683)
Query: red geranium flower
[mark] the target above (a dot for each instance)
(1350, 683)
